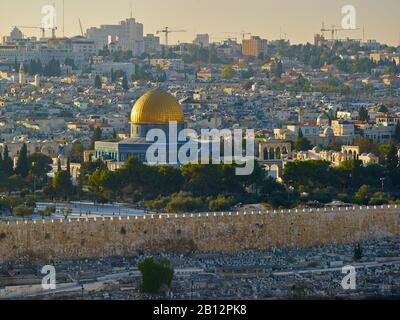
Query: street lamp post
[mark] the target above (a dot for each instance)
(383, 184)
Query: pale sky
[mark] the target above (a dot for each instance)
(299, 19)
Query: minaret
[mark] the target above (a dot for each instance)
(22, 78)
(37, 81)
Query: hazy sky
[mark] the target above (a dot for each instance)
(299, 19)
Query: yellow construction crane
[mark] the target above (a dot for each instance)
(167, 31)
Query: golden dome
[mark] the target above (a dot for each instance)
(157, 107)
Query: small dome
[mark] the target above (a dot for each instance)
(328, 132)
(157, 107)
(322, 119)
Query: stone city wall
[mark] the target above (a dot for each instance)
(221, 232)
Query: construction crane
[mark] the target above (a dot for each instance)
(167, 31)
(223, 38)
(80, 26)
(42, 29)
(334, 30)
(243, 34)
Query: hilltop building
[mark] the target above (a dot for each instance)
(127, 34)
(254, 46)
(151, 43)
(202, 40)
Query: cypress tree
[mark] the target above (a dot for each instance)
(69, 166)
(97, 82)
(125, 84)
(97, 136)
(8, 167)
(23, 164)
(397, 132)
(59, 169)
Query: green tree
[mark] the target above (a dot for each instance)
(22, 167)
(278, 69)
(185, 202)
(76, 154)
(40, 166)
(70, 62)
(124, 83)
(97, 82)
(59, 168)
(97, 136)
(105, 183)
(383, 109)
(227, 72)
(155, 276)
(310, 174)
(23, 211)
(363, 114)
(62, 185)
(302, 144)
(52, 68)
(358, 252)
(87, 169)
(397, 132)
(392, 165)
(367, 146)
(363, 195)
(7, 165)
(221, 203)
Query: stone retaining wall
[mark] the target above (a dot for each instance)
(222, 232)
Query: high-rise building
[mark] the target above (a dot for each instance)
(127, 34)
(16, 34)
(151, 43)
(254, 46)
(202, 40)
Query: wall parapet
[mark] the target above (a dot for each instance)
(89, 237)
(201, 215)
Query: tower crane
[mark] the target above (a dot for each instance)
(80, 26)
(223, 38)
(334, 30)
(243, 34)
(167, 31)
(42, 29)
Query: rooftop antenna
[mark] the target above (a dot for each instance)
(131, 7)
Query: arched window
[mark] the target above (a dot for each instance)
(265, 154)
(271, 154)
(278, 154)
